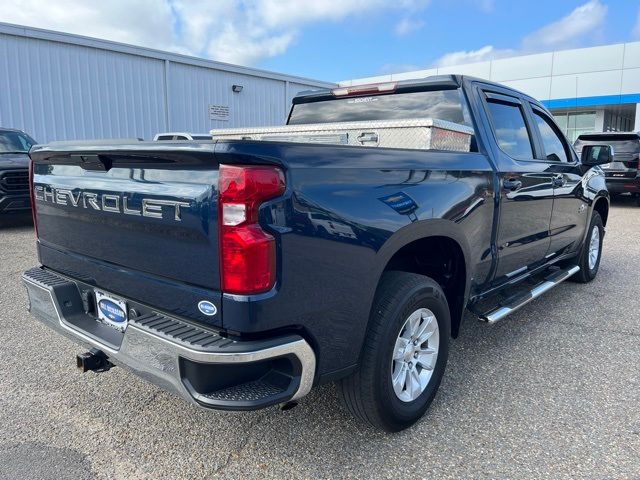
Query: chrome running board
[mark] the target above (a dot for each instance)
(511, 305)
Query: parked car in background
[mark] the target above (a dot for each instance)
(169, 136)
(623, 174)
(14, 170)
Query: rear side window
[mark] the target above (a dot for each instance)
(510, 130)
(554, 149)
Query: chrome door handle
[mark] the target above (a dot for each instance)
(511, 184)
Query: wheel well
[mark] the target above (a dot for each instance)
(441, 259)
(602, 207)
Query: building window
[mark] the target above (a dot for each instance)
(574, 124)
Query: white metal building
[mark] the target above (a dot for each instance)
(588, 90)
(57, 86)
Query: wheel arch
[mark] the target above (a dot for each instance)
(601, 205)
(421, 237)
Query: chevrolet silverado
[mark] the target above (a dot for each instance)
(243, 271)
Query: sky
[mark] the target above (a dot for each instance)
(336, 40)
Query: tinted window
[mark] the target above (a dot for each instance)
(165, 137)
(553, 147)
(510, 130)
(441, 104)
(15, 142)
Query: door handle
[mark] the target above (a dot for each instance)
(558, 182)
(511, 184)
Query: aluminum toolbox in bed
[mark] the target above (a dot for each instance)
(416, 134)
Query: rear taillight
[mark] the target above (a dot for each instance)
(33, 198)
(247, 252)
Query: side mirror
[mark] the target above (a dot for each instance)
(597, 155)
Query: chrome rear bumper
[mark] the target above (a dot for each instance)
(197, 363)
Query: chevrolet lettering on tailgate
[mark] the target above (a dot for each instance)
(115, 203)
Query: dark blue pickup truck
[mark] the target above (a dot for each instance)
(241, 273)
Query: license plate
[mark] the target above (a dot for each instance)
(111, 310)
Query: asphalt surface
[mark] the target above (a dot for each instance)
(550, 392)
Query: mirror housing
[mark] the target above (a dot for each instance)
(596, 155)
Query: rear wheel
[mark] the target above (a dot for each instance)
(591, 252)
(404, 355)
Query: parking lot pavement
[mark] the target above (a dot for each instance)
(552, 391)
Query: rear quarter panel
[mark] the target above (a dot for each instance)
(372, 202)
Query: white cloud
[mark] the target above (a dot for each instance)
(407, 26)
(584, 22)
(143, 22)
(488, 52)
(636, 28)
(235, 31)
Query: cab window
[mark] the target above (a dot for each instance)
(510, 129)
(554, 147)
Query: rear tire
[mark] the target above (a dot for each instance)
(398, 378)
(590, 254)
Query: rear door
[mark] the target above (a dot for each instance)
(526, 194)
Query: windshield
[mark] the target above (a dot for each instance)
(15, 142)
(440, 104)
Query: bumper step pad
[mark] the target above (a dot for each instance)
(246, 392)
(181, 332)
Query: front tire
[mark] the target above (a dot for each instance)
(591, 252)
(404, 355)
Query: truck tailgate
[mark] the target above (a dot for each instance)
(139, 220)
